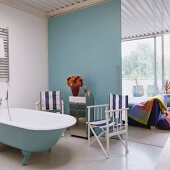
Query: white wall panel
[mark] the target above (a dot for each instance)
(28, 62)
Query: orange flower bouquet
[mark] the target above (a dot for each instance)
(74, 82)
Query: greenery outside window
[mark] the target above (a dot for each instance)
(142, 67)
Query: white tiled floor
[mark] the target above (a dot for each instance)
(73, 154)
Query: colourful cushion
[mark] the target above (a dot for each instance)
(164, 123)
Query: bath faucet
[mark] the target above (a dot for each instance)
(0, 101)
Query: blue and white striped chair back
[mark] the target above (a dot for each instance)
(50, 100)
(118, 102)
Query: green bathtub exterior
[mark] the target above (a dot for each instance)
(29, 140)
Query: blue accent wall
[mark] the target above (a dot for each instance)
(87, 43)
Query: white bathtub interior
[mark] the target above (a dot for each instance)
(35, 120)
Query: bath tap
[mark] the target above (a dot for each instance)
(0, 101)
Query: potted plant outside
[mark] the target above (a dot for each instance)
(137, 90)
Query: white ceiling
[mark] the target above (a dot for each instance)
(50, 8)
(138, 17)
(145, 17)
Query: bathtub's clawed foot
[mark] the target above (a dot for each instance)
(26, 157)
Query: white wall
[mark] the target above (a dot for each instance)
(28, 62)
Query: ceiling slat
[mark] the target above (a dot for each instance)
(39, 4)
(24, 7)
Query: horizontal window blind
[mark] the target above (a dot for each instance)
(4, 57)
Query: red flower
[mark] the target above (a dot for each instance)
(74, 81)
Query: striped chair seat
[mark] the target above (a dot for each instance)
(102, 124)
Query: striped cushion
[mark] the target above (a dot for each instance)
(50, 100)
(118, 102)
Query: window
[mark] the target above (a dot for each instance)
(166, 57)
(142, 67)
(159, 75)
(138, 67)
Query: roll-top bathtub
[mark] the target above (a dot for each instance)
(32, 130)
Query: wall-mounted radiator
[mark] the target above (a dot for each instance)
(4, 55)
